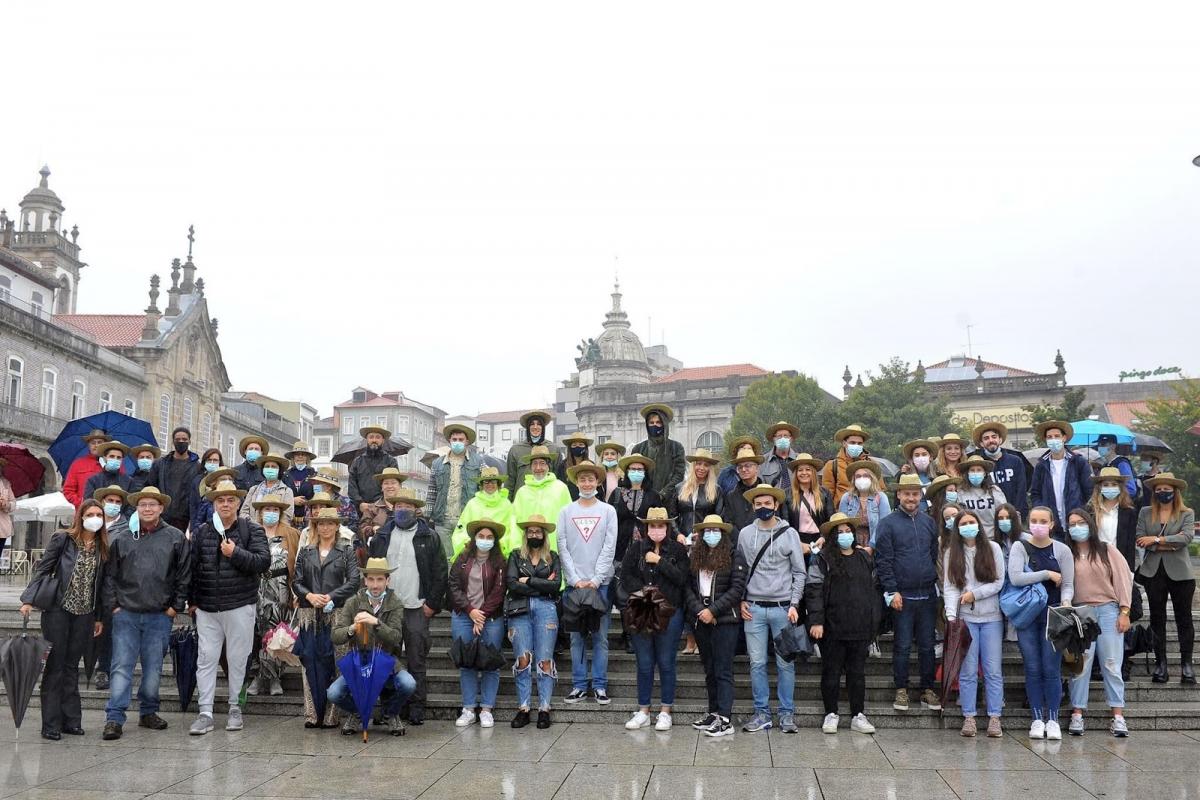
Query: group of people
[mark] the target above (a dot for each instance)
(775, 545)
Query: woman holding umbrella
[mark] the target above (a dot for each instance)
(76, 558)
(326, 577)
(477, 582)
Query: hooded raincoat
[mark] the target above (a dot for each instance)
(546, 496)
(669, 460)
(493, 506)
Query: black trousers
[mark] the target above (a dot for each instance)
(838, 655)
(1158, 589)
(68, 635)
(717, 645)
(415, 633)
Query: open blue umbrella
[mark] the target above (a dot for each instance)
(120, 428)
(314, 648)
(1087, 431)
(366, 673)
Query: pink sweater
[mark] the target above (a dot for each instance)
(1092, 586)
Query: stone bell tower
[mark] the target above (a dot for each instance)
(42, 238)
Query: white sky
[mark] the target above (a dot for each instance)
(430, 197)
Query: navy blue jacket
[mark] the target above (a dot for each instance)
(298, 480)
(1011, 473)
(906, 553)
(727, 478)
(102, 480)
(1077, 487)
(247, 475)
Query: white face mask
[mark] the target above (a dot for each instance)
(93, 524)
(862, 484)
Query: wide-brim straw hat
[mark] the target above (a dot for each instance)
(656, 515)
(577, 438)
(1166, 478)
(952, 438)
(540, 451)
(94, 433)
(836, 519)
(704, 455)
(300, 449)
(746, 453)
(761, 490)
(149, 493)
(662, 409)
(865, 463)
(712, 521)
(938, 486)
(325, 515)
(271, 500)
(382, 431)
(497, 528)
(1041, 428)
(545, 416)
(214, 477)
(490, 474)
(928, 444)
(805, 460)
(600, 448)
(458, 427)
(910, 481)
(104, 492)
(390, 472)
(979, 430)
(246, 441)
(323, 499)
(1109, 474)
(851, 430)
(407, 495)
(636, 458)
(229, 489)
(274, 458)
(143, 447)
(106, 446)
(377, 566)
(326, 480)
(976, 460)
(585, 466)
(771, 430)
(538, 520)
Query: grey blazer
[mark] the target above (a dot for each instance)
(1174, 551)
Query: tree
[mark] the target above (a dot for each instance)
(1169, 419)
(896, 407)
(1069, 410)
(798, 400)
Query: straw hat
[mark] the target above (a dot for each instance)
(300, 449)
(538, 520)
(851, 430)
(213, 478)
(910, 481)
(636, 458)
(322, 500)
(746, 453)
(274, 458)
(928, 444)
(540, 451)
(497, 528)
(656, 515)
(806, 459)
(1166, 478)
(106, 446)
(577, 437)
(976, 460)
(792, 430)
(229, 489)
(1110, 474)
(836, 519)
(738, 442)
(938, 485)
(377, 566)
(712, 521)
(100, 494)
(141, 448)
(455, 427)
(275, 500)
(152, 493)
(541, 413)
(952, 438)
(704, 455)
(246, 441)
(407, 495)
(94, 434)
(382, 431)
(391, 472)
(979, 430)
(662, 409)
(490, 474)
(761, 490)
(325, 515)
(865, 463)
(326, 478)
(600, 448)
(585, 466)
(1041, 428)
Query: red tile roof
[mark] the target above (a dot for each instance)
(109, 330)
(1124, 412)
(713, 373)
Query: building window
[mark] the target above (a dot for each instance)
(164, 418)
(187, 415)
(5, 289)
(230, 451)
(105, 401)
(711, 441)
(49, 391)
(402, 425)
(506, 435)
(363, 422)
(402, 461)
(381, 420)
(323, 447)
(15, 386)
(78, 392)
(130, 408)
(36, 303)
(483, 435)
(206, 428)
(347, 425)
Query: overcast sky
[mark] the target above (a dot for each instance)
(430, 197)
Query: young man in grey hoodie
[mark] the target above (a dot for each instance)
(774, 590)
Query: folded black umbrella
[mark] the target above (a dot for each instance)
(22, 659)
(792, 643)
(954, 651)
(647, 611)
(185, 652)
(1071, 631)
(583, 609)
(474, 653)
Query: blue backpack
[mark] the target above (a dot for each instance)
(1023, 604)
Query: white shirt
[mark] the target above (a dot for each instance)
(705, 580)
(1108, 525)
(406, 580)
(1058, 474)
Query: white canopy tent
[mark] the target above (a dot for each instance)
(53, 507)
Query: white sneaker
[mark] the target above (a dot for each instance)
(860, 724)
(1053, 732)
(485, 718)
(662, 722)
(467, 717)
(1037, 730)
(830, 724)
(639, 720)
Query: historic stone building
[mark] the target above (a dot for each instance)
(419, 424)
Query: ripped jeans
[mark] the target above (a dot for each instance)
(1111, 646)
(532, 636)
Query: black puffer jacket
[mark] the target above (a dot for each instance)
(670, 574)
(338, 577)
(689, 512)
(431, 560)
(220, 583)
(725, 596)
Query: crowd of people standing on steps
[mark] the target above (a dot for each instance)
(777, 551)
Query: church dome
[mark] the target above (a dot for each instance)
(42, 195)
(619, 342)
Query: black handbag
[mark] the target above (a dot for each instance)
(44, 590)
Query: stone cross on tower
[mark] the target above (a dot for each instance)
(150, 330)
(189, 268)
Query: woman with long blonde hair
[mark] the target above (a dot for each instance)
(694, 498)
(811, 504)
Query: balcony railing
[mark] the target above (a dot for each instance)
(22, 424)
(45, 239)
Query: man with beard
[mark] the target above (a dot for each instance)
(363, 488)
(535, 424)
(667, 454)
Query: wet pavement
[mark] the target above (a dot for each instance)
(277, 757)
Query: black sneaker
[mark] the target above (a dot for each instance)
(601, 696)
(521, 719)
(112, 731)
(101, 681)
(152, 721)
(704, 722)
(576, 695)
(543, 720)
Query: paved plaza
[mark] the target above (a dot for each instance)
(277, 757)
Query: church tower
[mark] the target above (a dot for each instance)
(40, 237)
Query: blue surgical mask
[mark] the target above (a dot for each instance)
(1080, 533)
(712, 538)
(253, 455)
(764, 513)
(976, 478)
(949, 523)
(1103, 450)
(854, 450)
(271, 473)
(112, 464)
(270, 518)
(1110, 492)
(404, 517)
(636, 475)
(112, 509)
(458, 448)
(1005, 525)
(484, 545)
(1055, 445)
(609, 463)
(210, 466)
(952, 497)
(845, 540)
(144, 464)
(375, 598)
(968, 531)
(328, 607)
(783, 443)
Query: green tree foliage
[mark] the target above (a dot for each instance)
(798, 400)
(895, 408)
(1169, 419)
(1070, 409)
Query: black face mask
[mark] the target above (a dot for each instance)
(535, 542)
(579, 452)
(181, 447)
(655, 430)
(1164, 498)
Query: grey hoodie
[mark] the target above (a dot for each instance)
(780, 574)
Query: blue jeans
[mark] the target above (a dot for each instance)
(532, 636)
(661, 650)
(1112, 652)
(987, 641)
(1043, 669)
(916, 616)
(136, 635)
(478, 686)
(395, 692)
(579, 667)
(765, 624)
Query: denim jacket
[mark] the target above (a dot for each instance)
(878, 507)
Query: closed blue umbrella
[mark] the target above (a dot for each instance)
(185, 651)
(314, 648)
(366, 672)
(1087, 431)
(120, 428)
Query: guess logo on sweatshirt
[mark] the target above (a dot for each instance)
(585, 526)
